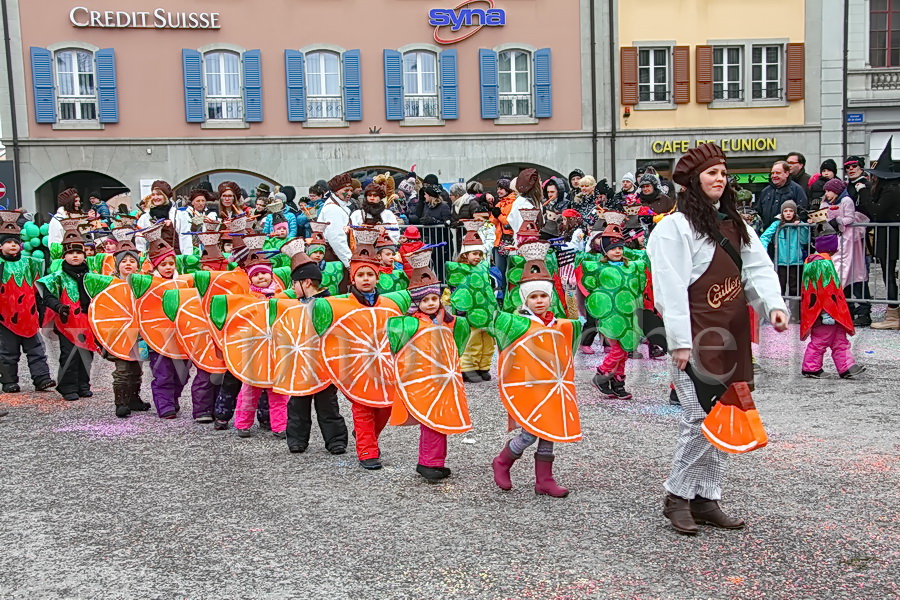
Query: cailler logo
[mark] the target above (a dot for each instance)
(719, 294)
(473, 19)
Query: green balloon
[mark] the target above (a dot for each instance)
(26, 252)
(45, 241)
(38, 254)
(32, 230)
(45, 228)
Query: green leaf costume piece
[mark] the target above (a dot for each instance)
(170, 302)
(401, 298)
(461, 333)
(392, 282)
(506, 328)
(615, 297)
(322, 315)
(332, 275)
(400, 330)
(140, 283)
(94, 284)
(25, 270)
(201, 281)
(473, 296)
(218, 311)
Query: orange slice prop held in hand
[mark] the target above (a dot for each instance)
(112, 315)
(733, 425)
(298, 367)
(428, 381)
(537, 376)
(356, 348)
(156, 328)
(192, 332)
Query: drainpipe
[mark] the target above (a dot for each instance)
(613, 111)
(594, 164)
(844, 82)
(12, 102)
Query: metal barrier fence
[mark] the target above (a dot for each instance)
(866, 260)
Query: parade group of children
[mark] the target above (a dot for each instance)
(397, 342)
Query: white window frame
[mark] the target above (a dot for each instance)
(512, 98)
(324, 100)
(315, 122)
(227, 101)
(652, 49)
(524, 119)
(418, 121)
(80, 101)
(724, 82)
(747, 73)
(764, 81)
(419, 99)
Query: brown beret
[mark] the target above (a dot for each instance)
(339, 181)
(162, 186)
(374, 188)
(66, 196)
(526, 181)
(230, 185)
(695, 161)
(207, 195)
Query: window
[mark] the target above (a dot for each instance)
(77, 96)
(420, 93)
(224, 101)
(653, 74)
(514, 70)
(884, 33)
(323, 84)
(766, 73)
(727, 73)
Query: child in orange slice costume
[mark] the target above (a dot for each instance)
(355, 345)
(537, 374)
(426, 346)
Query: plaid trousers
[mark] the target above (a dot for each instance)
(698, 467)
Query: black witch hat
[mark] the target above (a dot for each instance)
(884, 168)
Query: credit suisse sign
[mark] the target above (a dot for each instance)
(159, 18)
(455, 25)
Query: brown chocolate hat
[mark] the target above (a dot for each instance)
(66, 196)
(527, 181)
(124, 237)
(529, 229)
(695, 161)
(230, 185)
(72, 238)
(339, 181)
(535, 255)
(158, 249)
(364, 254)
(8, 224)
(162, 186)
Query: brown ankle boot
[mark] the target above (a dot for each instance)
(678, 511)
(708, 512)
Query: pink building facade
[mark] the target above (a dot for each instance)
(292, 92)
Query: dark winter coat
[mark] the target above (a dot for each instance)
(882, 205)
(771, 198)
(434, 215)
(802, 179)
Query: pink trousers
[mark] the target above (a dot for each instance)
(248, 400)
(432, 447)
(821, 338)
(614, 362)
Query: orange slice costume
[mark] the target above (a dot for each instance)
(356, 348)
(537, 375)
(430, 390)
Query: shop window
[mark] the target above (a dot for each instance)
(728, 80)
(514, 70)
(884, 33)
(323, 86)
(420, 89)
(653, 75)
(75, 84)
(222, 73)
(766, 73)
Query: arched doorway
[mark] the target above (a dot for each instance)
(86, 182)
(489, 177)
(246, 180)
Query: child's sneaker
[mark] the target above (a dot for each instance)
(587, 350)
(244, 433)
(11, 388)
(618, 386)
(852, 372)
(603, 382)
(814, 374)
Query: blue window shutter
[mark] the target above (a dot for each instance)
(42, 83)
(449, 86)
(393, 85)
(490, 90)
(107, 96)
(252, 65)
(192, 64)
(295, 80)
(543, 87)
(352, 86)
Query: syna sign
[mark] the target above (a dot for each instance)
(464, 18)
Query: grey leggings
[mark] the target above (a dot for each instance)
(518, 444)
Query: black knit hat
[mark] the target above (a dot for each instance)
(829, 164)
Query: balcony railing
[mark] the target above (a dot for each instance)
(873, 87)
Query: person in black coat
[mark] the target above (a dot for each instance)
(433, 210)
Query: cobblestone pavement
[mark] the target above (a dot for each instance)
(98, 507)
